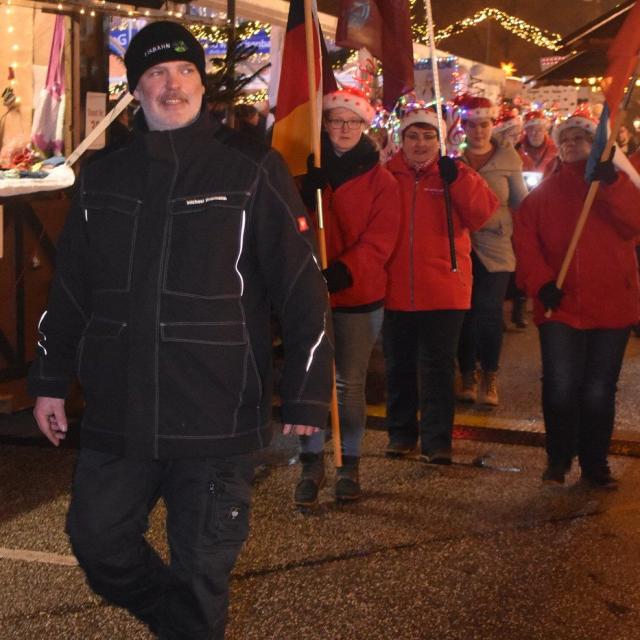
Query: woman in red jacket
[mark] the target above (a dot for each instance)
(584, 339)
(361, 226)
(426, 301)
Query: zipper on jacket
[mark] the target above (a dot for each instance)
(161, 269)
(411, 234)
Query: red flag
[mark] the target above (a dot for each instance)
(291, 130)
(383, 27)
(623, 59)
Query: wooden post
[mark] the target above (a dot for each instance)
(315, 145)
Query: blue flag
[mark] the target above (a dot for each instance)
(599, 142)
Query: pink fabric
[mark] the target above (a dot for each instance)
(46, 131)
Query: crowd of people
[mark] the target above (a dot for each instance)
(181, 244)
(508, 236)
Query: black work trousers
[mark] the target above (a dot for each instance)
(207, 504)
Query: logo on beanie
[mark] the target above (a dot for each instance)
(158, 47)
(180, 46)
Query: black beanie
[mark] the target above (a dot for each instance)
(161, 42)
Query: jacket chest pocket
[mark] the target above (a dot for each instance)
(112, 222)
(206, 240)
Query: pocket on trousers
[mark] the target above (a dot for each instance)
(227, 508)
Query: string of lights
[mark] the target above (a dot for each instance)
(13, 44)
(517, 26)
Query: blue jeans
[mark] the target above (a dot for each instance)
(481, 335)
(419, 351)
(354, 335)
(580, 370)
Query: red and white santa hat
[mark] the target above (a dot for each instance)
(352, 99)
(536, 118)
(475, 107)
(507, 118)
(418, 113)
(582, 118)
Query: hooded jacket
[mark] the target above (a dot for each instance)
(601, 288)
(172, 253)
(420, 276)
(492, 243)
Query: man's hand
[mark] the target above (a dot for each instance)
(299, 429)
(51, 418)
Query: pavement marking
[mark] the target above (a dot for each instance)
(43, 557)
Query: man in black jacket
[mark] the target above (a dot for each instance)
(173, 252)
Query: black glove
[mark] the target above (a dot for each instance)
(605, 171)
(315, 178)
(337, 276)
(448, 169)
(550, 295)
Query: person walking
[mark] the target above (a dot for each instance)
(361, 224)
(492, 256)
(537, 149)
(584, 339)
(172, 253)
(426, 301)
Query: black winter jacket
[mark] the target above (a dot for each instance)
(173, 251)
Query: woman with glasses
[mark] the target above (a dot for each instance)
(361, 226)
(426, 301)
(492, 256)
(584, 338)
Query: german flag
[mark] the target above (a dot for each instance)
(292, 127)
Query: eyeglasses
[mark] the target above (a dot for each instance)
(338, 123)
(428, 136)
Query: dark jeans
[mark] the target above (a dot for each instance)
(207, 502)
(419, 351)
(580, 370)
(481, 335)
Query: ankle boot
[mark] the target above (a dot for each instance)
(312, 479)
(488, 388)
(468, 389)
(348, 484)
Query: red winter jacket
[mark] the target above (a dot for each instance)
(361, 227)
(420, 276)
(543, 162)
(601, 288)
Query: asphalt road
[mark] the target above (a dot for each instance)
(475, 551)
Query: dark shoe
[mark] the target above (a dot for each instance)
(600, 478)
(554, 474)
(518, 312)
(399, 449)
(442, 456)
(636, 330)
(311, 480)
(348, 481)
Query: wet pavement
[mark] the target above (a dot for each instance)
(478, 550)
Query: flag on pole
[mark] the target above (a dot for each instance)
(623, 58)
(383, 27)
(293, 111)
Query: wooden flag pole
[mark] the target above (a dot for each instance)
(97, 132)
(593, 189)
(442, 135)
(315, 145)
